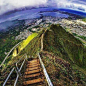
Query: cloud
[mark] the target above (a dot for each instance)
(79, 5)
(7, 5)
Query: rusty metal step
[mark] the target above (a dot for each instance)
(33, 75)
(33, 81)
(34, 71)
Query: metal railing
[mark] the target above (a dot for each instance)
(17, 71)
(9, 54)
(45, 72)
(8, 77)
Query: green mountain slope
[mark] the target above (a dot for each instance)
(56, 40)
(63, 55)
(64, 44)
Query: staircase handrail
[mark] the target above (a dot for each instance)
(45, 72)
(17, 71)
(9, 54)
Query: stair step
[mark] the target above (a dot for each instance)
(31, 72)
(31, 66)
(33, 60)
(36, 60)
(33, 63)
(33, 81)
(34, 68)
(33, 75)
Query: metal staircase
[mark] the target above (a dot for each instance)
(35, 73)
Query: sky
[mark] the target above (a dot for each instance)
(79, 5)
(7, 5)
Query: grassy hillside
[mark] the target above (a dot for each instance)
(84, 19)
(23, 44)
(18, 52)
(63, 55)
(30, 46)
(57, 41)
(64, 44)
(61, 72)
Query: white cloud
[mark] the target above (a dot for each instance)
(6, 5)
(72, 4)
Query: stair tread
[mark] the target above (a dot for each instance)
(34, 68)
(34, 71)
(33, 75)
(33, 65)
(33, 61)
(32, 81)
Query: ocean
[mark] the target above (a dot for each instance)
(44, 8)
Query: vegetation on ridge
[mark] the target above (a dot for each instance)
(84, 19)
(62, 55)
(24, 43)
(62, 43)
(61, 72)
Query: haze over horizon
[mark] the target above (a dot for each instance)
(8, 5)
